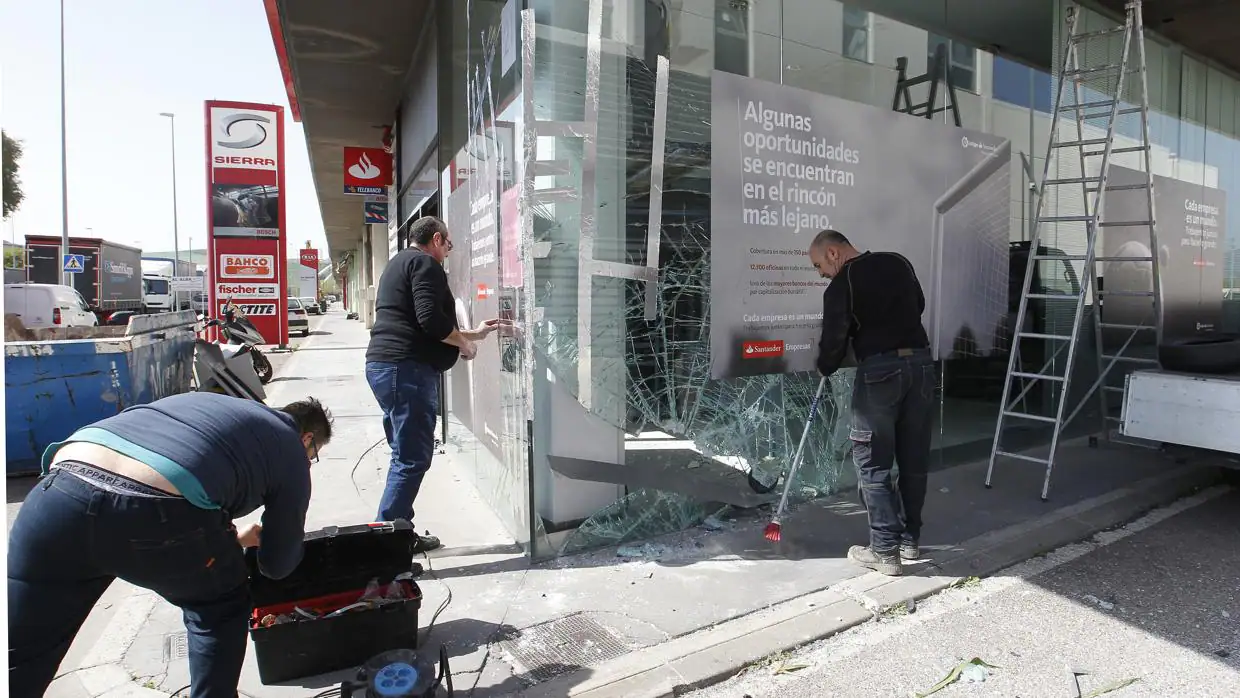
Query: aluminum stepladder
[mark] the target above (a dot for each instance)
(1094, 185)
(938, 73)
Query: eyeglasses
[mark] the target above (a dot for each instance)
(315, 445)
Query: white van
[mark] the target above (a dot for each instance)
(48, 305)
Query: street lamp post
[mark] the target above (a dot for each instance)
(176, 236)
(66, 277)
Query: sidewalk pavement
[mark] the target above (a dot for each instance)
(686, 610)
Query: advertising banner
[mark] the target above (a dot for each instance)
(246, 245)
(787, 164)
(1190, 219)
(471, 212)
(308, 273)
(375, 213)
(366, 170)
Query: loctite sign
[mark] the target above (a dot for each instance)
(255, 310)
(366, 170)
(245, 207)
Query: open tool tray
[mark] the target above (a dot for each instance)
(334, 574)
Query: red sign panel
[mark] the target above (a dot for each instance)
(245, 207)
(366, 170)
(762, 350)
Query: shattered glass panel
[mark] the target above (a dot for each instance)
(640, 515)
(490, 399)
(618, 253)
(645, 366)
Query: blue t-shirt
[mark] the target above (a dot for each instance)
(220, 452)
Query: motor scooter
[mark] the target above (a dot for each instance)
(237, 330)
(226, 369)
(229, 366)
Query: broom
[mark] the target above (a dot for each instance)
(774, 529)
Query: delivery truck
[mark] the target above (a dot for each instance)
(157, 293)
(111, 276)
(1192, 399)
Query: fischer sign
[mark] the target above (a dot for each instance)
(238, 266)
(243, 290)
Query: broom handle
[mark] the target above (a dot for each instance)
(796, 460)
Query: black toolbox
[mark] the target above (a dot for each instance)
(334, 573)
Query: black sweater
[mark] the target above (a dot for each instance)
(877, 302)
(414, 312)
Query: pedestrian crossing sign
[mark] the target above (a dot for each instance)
(75, 263)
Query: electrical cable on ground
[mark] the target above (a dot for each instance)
(430, 569)
(356, 465)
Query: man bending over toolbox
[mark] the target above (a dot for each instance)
(149, 496)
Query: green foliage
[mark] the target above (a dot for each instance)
(12, 182)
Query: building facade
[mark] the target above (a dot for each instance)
(591, 158)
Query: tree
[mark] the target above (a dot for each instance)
(12, 182)
(328, 285)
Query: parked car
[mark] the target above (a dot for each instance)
(311, 305)
(120, 318)
(48, 305)
(297, 317)
(198, 302)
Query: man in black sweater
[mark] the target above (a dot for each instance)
(875, 300)
(415, 339)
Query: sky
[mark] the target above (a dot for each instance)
(125, 62)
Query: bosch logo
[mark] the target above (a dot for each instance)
(243, 130)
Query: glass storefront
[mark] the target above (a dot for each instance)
(576, 149)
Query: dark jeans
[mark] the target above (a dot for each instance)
(892, 407)
(408, 394)
(71, 539)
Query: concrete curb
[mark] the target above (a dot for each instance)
(715, 654)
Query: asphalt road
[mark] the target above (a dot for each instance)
(1157, 601)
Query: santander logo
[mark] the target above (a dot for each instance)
(762, 350)
(364, 168)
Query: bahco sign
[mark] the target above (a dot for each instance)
(236, 266)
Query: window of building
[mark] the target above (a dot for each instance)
(857, 34)
(961, 61)
(1021, 85)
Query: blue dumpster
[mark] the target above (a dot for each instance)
(55, 386)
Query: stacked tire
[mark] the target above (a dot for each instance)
(1213, 354)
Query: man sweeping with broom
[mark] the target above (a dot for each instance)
(875, 301)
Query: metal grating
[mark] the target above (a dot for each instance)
(561, 646)
(176, 646)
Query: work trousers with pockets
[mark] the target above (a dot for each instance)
(408, 394)
(71, 539)
(892, 420)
